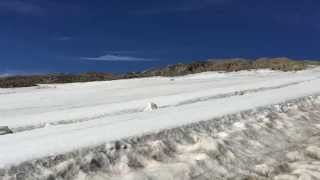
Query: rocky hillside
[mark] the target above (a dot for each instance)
(229, 65)
(237, 64)
(27, 81)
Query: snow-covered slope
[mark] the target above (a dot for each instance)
(52, 120)
(68, 103)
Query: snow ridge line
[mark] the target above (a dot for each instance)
(263, 128)
(240, 93)
(182, 103)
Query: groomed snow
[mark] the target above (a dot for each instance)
(60, 118)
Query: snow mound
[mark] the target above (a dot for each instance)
(151, 107)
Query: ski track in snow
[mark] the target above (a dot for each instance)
(44, 110)
(181, 103)
(55, 119)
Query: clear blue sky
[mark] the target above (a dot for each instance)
(40, 36)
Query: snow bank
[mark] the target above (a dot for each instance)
(103, 129)
(264, 143)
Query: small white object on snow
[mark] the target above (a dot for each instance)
(151, 107)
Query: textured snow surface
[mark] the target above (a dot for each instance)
(73, 131)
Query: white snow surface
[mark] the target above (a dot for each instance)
(54, 119)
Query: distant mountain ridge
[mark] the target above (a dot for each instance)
(227, 65)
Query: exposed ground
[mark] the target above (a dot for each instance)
(227, 65)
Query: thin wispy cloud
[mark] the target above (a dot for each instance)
(5, 75)
(122, 52)
(116, 58)
(63, 38)
(14, 72)
(186, 6)
(20, 7)
(39, 7)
